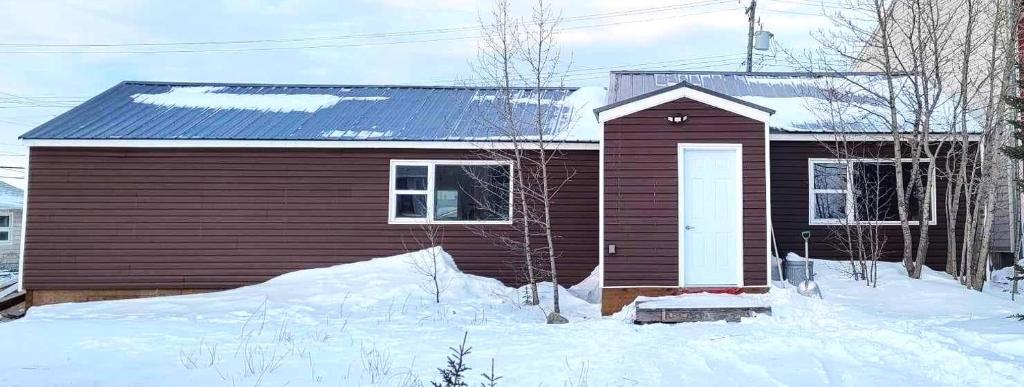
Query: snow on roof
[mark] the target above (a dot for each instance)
(206, 97)
(583, 125)
(197, 111)
(803, 102)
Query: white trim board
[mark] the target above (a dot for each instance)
(24, 222)
(881, 137)
(768, 204)
(600, 208)
(679, 93)
(470, 145)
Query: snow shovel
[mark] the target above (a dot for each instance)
(778, 260)
(808, 287)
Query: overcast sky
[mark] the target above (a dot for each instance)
(55, 54)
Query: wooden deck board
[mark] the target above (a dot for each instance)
(651, 315)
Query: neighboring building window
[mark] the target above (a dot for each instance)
(450, 192)
(843, 191)
(5, 229)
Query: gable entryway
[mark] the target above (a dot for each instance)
(684, 195)
(711, 215)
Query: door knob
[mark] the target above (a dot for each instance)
(689, 227)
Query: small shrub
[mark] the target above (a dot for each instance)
(454, 375)
(490, 378)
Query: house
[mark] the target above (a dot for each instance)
(168, 188)
(11, 200)
(155, 188)
(757, 139)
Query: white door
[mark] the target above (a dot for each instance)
(710, 210)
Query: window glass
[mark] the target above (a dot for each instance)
(829, 176)
(410, 206)
(870, 194)
(5, 221)
(411, 177)
(830, 206)
(471, 192)
(875, 192)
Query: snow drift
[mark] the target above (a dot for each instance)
(372, 324)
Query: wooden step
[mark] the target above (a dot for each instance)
(654, 314)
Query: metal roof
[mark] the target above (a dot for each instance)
(11, 197)
(682, 84)
(800, 100)
(179, 110)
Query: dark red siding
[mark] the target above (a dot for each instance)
(219, 218)
(641, 184)
(790, 196)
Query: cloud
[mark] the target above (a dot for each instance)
(602, 40)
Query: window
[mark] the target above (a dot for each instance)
(829, 191)
(5, 229)
(863, 190)
(450, 192)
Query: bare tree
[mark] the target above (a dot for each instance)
(523, 63)
(496, 66)
(857, 228)
(427, 259)
(544, 69)
(974, 168)
(928, 102)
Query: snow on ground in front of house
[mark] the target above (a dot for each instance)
(1002, 279)
(371, 323)
(589, 289)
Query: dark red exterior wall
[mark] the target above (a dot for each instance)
(133, 218)
(789, 184)
(641, 184)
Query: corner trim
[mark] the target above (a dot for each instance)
(24, 221)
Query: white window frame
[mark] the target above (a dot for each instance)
(9, 228)
(850, 213)
(429, 192)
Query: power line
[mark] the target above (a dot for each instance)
(448, 30)
(366, 44)
(38, 106)
(770, 10)
(820, 3)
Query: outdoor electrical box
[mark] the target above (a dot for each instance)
(763, 40)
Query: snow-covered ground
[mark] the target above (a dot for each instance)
(371, 323)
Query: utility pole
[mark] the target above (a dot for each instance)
(751, 11)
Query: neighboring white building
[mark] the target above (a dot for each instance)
(11, 203)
